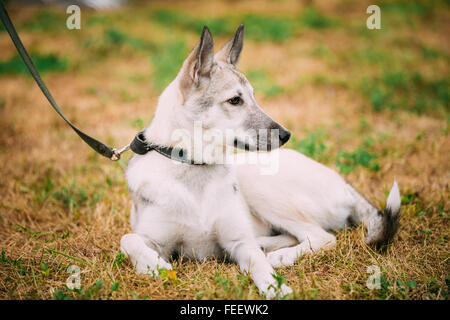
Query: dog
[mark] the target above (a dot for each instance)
(216, 209)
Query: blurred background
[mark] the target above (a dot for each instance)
(372, 104)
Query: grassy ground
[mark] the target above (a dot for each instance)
(373, 104)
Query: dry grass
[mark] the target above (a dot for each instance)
(61, 204)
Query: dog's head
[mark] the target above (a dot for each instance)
(217, 94)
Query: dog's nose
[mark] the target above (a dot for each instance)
(284, 136)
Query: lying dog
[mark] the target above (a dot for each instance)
(213, 208)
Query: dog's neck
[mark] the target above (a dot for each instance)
(164, 122)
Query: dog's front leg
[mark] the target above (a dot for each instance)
(251, 259)
(236, 237)
(144, 259)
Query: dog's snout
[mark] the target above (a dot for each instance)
(284, 136)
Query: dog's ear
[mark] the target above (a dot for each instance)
(198, 65)
(231, 52)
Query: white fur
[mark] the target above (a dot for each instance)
(394, 200)
(230, 210)
(196, 211)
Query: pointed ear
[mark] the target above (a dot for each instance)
(198, 65)
(231, 52)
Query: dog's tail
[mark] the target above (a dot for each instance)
(381, 225)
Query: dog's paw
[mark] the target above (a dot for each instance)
(282, 257)
(150, 266)
(274, 292)
(285, 290)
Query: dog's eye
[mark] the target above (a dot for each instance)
(235, 101)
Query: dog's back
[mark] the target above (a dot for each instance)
(304, 189)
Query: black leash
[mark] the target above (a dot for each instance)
(98, 146)
(139, 145)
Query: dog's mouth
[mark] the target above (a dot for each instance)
(266, 139)
(258, 147)
(244, 145)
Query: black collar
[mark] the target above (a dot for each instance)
(139, 145)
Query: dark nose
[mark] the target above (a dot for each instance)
(284, 136)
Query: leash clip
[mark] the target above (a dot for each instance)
(117, 153)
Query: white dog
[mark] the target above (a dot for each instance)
(217, 209)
